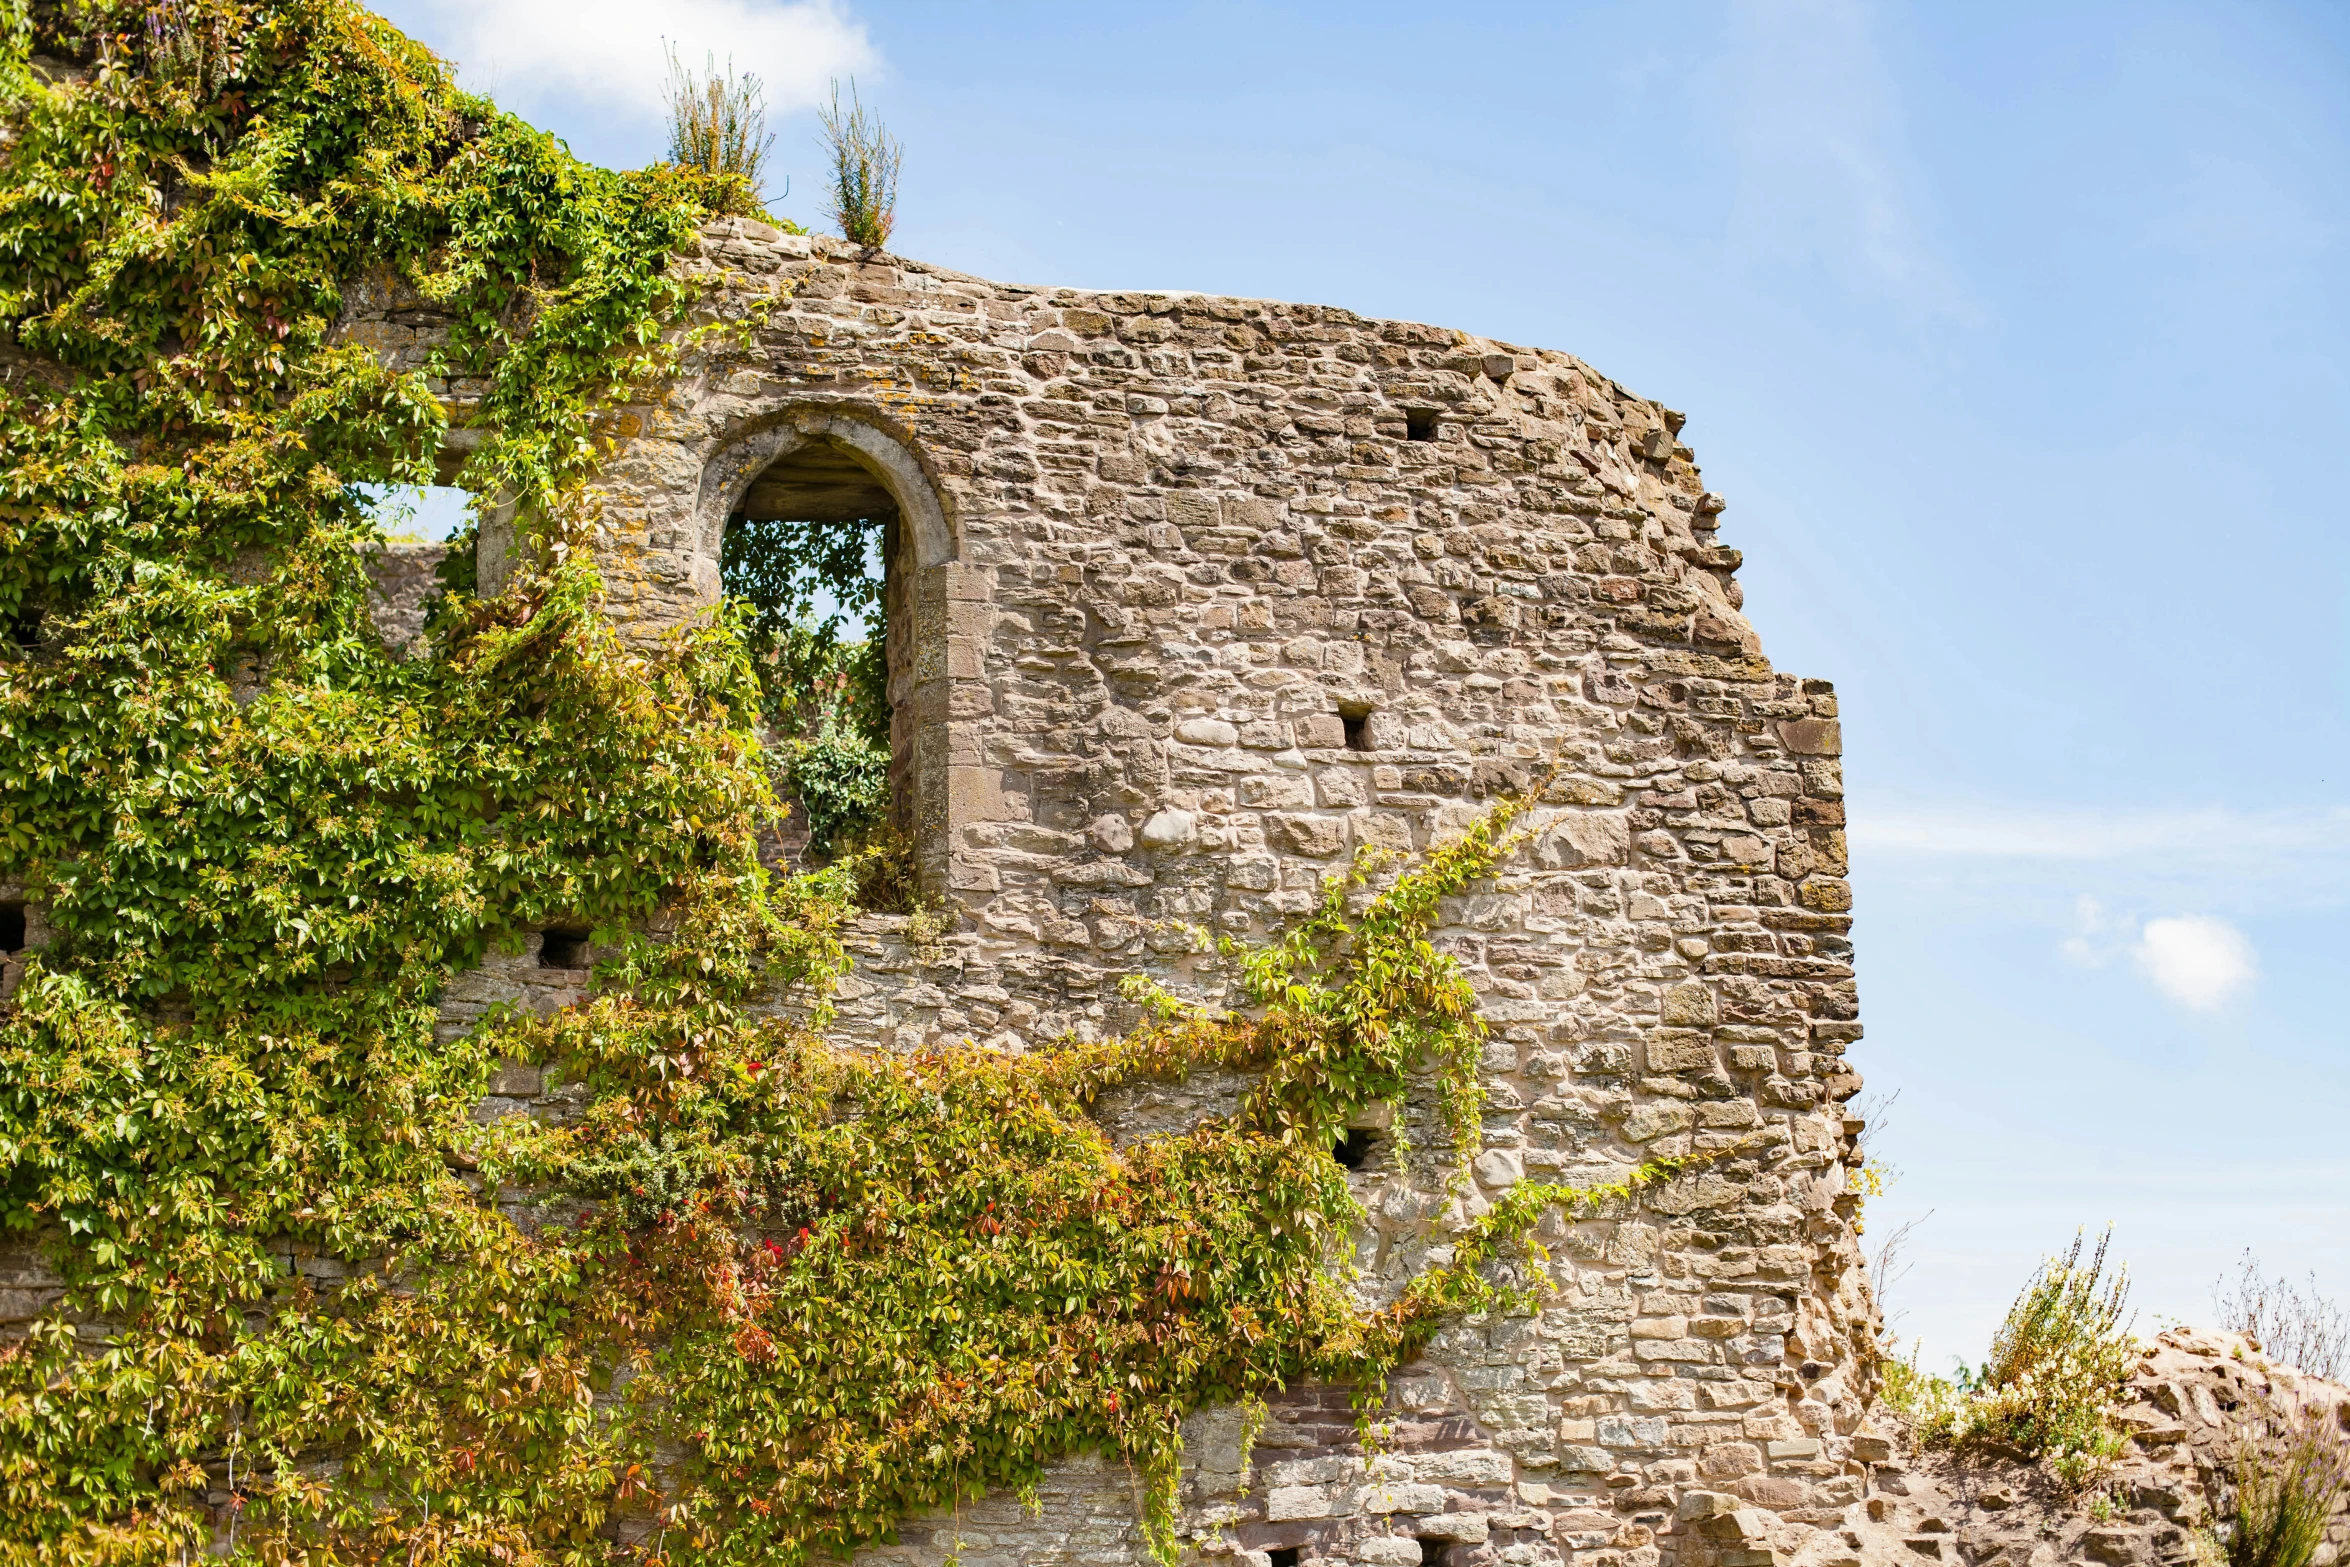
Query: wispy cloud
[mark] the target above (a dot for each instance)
(2213, 859)
(1820, 174)
(2212, 836)
(2089, 945)
(534, 51)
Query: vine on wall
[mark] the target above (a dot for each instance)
(760, 1296)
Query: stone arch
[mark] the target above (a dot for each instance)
(821, 464)
(729, 474)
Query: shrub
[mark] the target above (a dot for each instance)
(2306, 1331)
(886, 879)
(865, 159)
(843, 785)
(1929, 1401)
(2291, 1468)
(718, 124)
(2057, 1364)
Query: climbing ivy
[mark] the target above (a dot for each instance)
(758, 1296)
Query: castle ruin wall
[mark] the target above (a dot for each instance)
(1206, 595)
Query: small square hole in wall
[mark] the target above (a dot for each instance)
(1283, 1556)
(1354, 1149)
(564, 949)
(1433, 1551)
(1420, 423)
(1358, 727)
(11, 927)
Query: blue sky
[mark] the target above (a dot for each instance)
(2017, 337)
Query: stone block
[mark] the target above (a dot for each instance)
(1634, 1431)
(1466, 1467)
(1193, 512)
(1575, 839)
(1812, 736)
(1207, 731)
(976, 794)
(1689, 1005)
(1678, 1050)
(1320, 731)
(1688, 1351)
(1170, 830)
(1650, 1121)
(1334, 1470)
(1826, 894)
(1466, 1528)
(517, 1080)
(1315, 837)
(1748, 1525)
(1380, 1497)
(1276, 792)
(1697, 1506)
(1729, 1460)
(1500, 1167)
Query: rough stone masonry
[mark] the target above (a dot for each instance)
(1193, 598)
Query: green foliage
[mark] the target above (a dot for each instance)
(865, 161)
(2291, 1468)
(1929, 1402)
(2057, 1366)
(843, 785)
(771, 1294)
(886, 874)
(780, 575)
(894, 1282)
(264, 842)
(718, 125)
(795, 586)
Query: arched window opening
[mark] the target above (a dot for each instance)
(813, 558)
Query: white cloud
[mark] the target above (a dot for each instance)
(2196, 961)
(2192, 959)
(611, 50)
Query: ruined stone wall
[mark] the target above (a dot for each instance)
(1209, 593)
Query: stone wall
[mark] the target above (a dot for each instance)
(2192, 1402)
(1209, 593)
